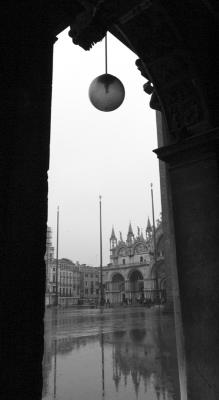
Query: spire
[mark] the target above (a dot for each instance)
(130, 231)
(113, 240)
(130, 235)
(149, 228)
(113, 236)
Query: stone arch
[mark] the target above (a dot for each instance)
(116, 288)
(116, 277)
(135, 274)
(30, 55)
(136, 282)
(165, 60)
(170, 70)
(118, 282)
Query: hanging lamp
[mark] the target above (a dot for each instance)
(106, 92)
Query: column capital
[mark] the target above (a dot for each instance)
(190, 149)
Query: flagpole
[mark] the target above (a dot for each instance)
(101, 255)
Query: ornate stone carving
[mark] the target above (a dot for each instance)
(98, 16)
(90, 26)
(184, 108)
(171, 81)
(148, 87)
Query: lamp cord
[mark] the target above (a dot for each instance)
(106, 61)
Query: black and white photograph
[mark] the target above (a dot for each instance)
(109, 202)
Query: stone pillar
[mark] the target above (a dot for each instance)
(127, 285)
(27, 52)
(167, 222)
(194, 184)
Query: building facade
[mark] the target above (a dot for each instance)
(49, 259)
(68, 289)
(89, 283)
(135, 274)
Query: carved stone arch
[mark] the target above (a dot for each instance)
(168, 66)
(117, 281)
(165, 59)
(138, 275)
(136, 281)
(114, 275)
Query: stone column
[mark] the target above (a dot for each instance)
(167, 222)
(192, 166)
(26, 83)
(127, 285)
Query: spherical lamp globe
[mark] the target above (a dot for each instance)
(106, 92)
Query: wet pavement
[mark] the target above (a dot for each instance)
(121, 353)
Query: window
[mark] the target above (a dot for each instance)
(123, 261)
(141, 259)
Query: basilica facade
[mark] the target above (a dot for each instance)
(136, 273)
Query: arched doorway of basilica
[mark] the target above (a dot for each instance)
(118, 289)
(136, 286)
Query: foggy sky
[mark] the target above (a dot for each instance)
(95, 153)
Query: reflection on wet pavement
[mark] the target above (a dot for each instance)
(124, 354)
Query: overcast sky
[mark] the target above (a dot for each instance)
(94, 152)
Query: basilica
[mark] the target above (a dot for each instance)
(136, 272)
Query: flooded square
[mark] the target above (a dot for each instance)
(124, 353)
